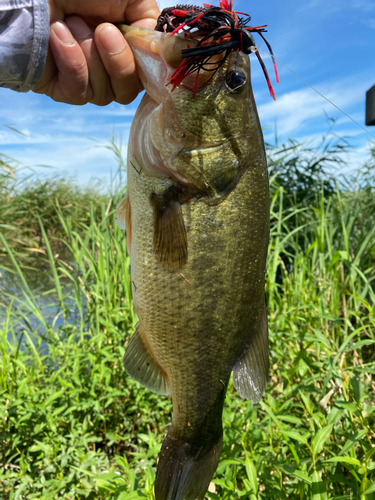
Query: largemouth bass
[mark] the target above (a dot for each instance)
(197, 221)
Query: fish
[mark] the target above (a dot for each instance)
(196, 216)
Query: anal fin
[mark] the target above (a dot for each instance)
(250, 375)
(141, 366)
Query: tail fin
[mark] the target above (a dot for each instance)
(185, 470)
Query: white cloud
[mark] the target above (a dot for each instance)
(85, 161)
(302, 114)
(119, 111)
(298, 107)
(59, 135)
(67, 154)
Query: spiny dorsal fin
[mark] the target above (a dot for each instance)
(170, 239)
(140, 365)
(250, 375)
(123, 219)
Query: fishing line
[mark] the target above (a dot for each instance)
(317, 91)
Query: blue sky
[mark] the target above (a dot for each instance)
(329, 43)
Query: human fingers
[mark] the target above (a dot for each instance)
(98, 76)
(99, 11)
(142, 13)
(118, 61)
(71, 83)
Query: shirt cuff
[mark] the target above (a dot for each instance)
(39, 46)
(24, 38)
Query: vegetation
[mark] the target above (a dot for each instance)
(74, 426)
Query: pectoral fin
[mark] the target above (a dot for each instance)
(250, 375)
(140, 365)
(123, 219)
(170, 239)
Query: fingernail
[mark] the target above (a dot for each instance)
(78, 28)
(112, 40)
(63, 34)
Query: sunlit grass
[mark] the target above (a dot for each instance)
(74, 426)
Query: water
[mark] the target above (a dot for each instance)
(34, 308)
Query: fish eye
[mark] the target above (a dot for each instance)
(235, 81)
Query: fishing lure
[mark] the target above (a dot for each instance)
(217, 31)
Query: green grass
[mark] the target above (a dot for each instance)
(74, 426)
(25, 197)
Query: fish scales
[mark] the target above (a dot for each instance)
(210, 319)
(198, 162)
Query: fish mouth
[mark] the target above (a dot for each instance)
(157, 55)
(142, 39)
(158, 44)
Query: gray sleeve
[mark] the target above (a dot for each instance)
(24, 36)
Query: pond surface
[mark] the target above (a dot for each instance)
(33, 306)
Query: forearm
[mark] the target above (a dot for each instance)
(24, 35)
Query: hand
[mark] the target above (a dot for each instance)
(89, 59)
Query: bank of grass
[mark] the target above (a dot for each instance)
(74, 426)
(26, 196)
